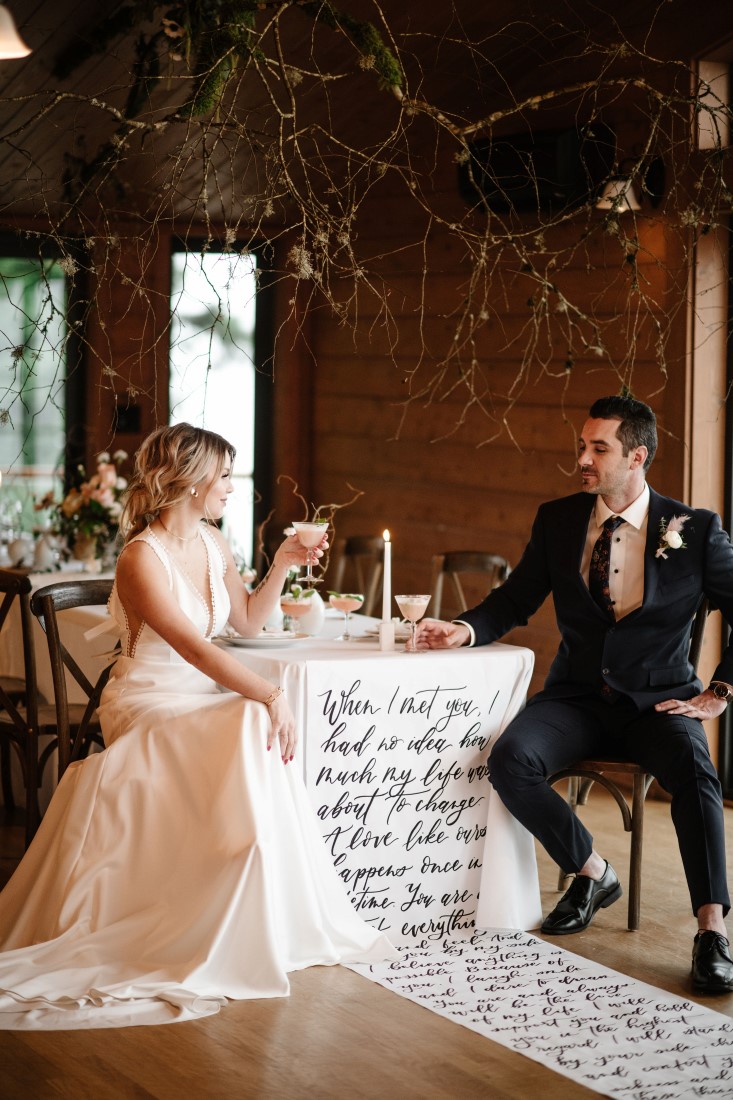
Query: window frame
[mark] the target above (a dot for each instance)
(263, 357)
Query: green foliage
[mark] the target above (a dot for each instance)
(213, 36)
(366, 38)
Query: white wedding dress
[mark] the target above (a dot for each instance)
(180, 867)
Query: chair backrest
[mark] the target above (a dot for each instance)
(15, 588)
(356, 566)
(45, 605)
(493, 569)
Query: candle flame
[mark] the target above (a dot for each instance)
(385, 536)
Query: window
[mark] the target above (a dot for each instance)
(713, 119)
(32, 386)
(212, 366)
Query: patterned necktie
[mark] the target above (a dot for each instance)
(600, 562)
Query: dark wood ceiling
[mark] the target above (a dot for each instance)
(466, 58)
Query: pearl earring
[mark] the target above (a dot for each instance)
(194, 492)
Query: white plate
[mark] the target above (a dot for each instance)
(401, 632)
(263, 641)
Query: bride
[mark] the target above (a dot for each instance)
(183, 865)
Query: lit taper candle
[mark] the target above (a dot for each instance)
(387, 583)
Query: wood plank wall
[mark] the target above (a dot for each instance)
(355, 397)
(442, 476)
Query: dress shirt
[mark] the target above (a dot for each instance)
(626, 579)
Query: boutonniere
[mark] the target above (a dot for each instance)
(670, 535)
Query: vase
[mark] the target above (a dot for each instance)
(84, 550)
(312, 623)
(44, 557)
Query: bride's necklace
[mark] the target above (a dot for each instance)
(181, 538)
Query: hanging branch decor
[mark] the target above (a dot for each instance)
(297, 123)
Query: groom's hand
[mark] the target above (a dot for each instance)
(436, 634)
(702, 706)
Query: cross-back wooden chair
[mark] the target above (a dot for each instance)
(585, 773)
(356, 564)
(77, 724)
(19, 702)
(452, 564)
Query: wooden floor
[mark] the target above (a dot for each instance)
(340, 1036)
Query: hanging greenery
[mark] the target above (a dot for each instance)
(250, 120)
(213, 37)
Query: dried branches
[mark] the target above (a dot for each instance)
(264, 120)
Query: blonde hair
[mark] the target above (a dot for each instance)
(168, 465)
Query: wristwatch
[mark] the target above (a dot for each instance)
(721, 691)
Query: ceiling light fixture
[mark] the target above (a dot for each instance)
(635, 179)
(618, 194)
(11, 44)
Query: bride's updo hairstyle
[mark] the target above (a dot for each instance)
(169, 464)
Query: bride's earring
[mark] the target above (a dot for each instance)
(194, 492)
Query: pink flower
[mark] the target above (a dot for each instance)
(107, 475)
(103, 496)
(72, 503)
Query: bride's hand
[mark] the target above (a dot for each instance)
(291, 552)
(282, 728)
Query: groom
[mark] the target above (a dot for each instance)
(627, 569)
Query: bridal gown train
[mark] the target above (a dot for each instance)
(181, 866)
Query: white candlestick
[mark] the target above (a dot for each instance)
(387, 581)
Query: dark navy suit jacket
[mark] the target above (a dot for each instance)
(644, 654)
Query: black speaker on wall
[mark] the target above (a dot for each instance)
(546, 170)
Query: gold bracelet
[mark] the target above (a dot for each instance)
(275, 694)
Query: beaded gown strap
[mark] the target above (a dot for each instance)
(156, 545)
(115, 606)
(215, 551)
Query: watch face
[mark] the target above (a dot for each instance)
(721, 691)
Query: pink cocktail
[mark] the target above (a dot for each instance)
(413, 608)
(295, 606)
(310, 535)
(346, 602)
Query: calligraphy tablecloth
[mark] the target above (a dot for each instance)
(395, 750)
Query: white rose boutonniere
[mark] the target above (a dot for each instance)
(670, 535)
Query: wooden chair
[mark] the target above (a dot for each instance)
(19, 702)
(494, 570)
(359, 557)
(77, 724)
(585, 773)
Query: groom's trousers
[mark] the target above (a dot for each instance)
(552, 733)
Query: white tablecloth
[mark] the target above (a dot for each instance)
(394, 751)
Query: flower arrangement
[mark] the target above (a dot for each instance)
(670, 535)
(88, 516)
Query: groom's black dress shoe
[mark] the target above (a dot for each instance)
(578, 905)
(712, 966)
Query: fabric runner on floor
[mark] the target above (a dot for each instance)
(609, 1032)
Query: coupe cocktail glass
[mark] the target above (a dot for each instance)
(310, 535)
(345, 602)
(295, 606)
(413, 608)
